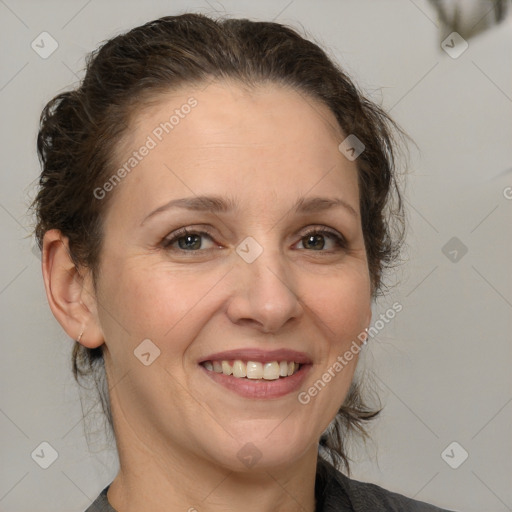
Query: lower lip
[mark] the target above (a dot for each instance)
(249, 388)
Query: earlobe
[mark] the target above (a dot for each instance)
(70, 295)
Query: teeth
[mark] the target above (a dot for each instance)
(227, 369)
(254, 369)
(239, 369)
(271, 371)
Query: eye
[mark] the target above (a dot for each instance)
(317, 239)
(314, 239)
(187, 241)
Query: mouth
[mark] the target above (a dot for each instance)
(254, 373)
(254, 370)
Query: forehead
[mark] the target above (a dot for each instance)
(247, 114)
(269, 140)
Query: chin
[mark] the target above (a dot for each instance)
(264, 450)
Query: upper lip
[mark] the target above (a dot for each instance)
(254, 354)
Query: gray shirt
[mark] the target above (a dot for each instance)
(334, 492)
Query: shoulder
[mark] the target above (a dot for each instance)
(335, 489)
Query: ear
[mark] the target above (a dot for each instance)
(70, 295)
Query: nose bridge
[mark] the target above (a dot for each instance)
(265, 291)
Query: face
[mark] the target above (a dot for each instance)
(266, 274)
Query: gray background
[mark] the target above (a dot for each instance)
(442, 365)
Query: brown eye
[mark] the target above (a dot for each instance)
(187, 241)
(315, 240)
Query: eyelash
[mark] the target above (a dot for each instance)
(339, 240)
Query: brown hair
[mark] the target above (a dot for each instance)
(80, 130)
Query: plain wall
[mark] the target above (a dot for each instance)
(442, 364)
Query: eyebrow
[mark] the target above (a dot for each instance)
(216, 204)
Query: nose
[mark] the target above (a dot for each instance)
(264, 295)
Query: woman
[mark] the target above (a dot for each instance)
(216, 209)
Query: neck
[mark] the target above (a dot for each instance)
(148, 484)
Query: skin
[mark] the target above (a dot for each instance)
(174, 426)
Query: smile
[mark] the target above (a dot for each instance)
(255, 370)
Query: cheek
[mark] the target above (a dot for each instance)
(341, 304)
(342, 301)
(150, 300)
